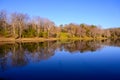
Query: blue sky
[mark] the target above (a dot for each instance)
(105, 13)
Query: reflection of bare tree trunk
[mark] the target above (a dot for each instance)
(21, 58)
(14, 55)
(38, 47)
(48, 44)
(20, 47)
(20, 51)
(5, 51)
(48, 48)
(14, 50)
(38, 51)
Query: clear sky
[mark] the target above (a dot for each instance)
(99, 12)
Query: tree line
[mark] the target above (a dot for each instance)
(20, 25)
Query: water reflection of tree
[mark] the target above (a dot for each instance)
(83, 46)
(19, 54)
(18, 57)
(113, 42)
(23, 53)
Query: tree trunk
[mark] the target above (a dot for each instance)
(14, 31)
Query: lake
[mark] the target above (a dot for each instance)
(60, 60)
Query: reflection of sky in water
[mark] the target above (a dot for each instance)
(101, 64)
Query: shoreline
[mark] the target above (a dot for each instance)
(26, 39)
(44, 39)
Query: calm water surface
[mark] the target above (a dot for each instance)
(60, 60)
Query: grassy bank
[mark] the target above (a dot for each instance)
(45, 39)
(26, 39)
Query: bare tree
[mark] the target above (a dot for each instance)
(47, 26)
(14, 23)
(18, 21)
(39, 22)
(3, 20)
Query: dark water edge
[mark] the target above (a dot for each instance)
(61, 60)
